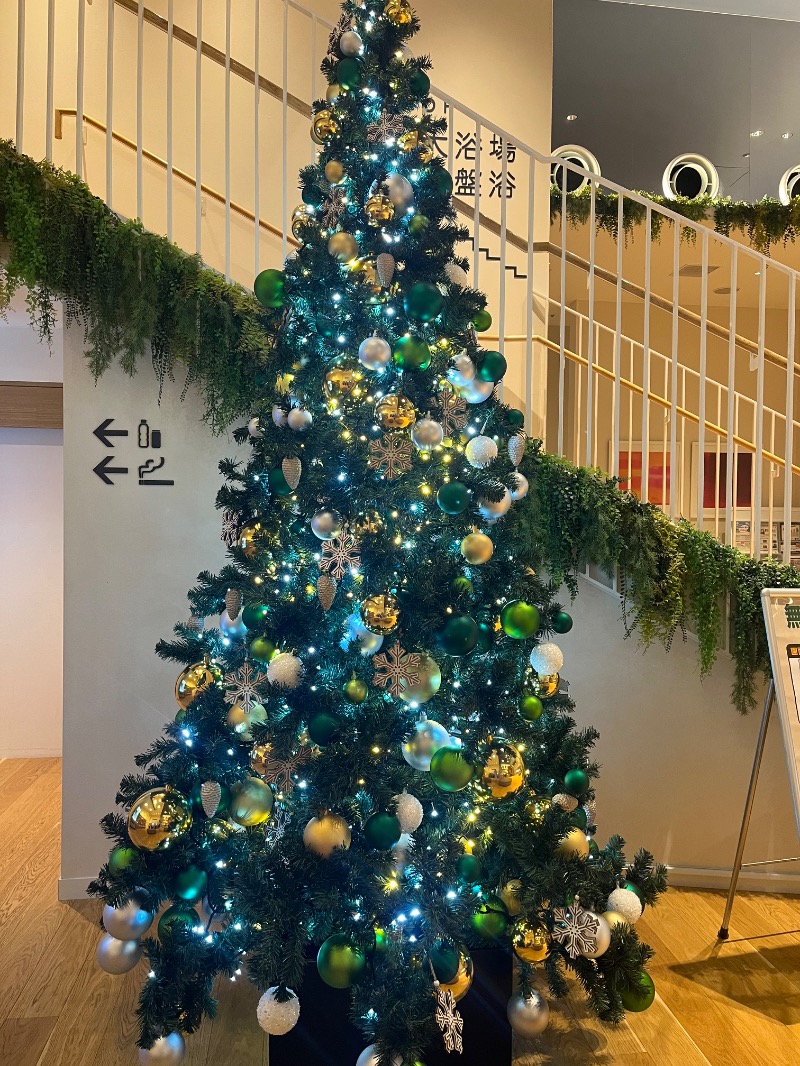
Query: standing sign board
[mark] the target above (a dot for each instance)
(782, 619)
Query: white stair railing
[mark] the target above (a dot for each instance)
(669, 361)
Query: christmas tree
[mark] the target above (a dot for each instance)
(373, 754)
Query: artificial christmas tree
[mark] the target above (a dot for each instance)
(373, 753)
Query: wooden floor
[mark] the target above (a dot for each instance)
(734, 1004)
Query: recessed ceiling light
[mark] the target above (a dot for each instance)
(572, 118)
(757, 133)
(746, 155)
(758, 273)
(787, 135)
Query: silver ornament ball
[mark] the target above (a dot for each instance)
(602, 939)
(326, 524)
(167, 1051)
(461, 371)
(278, 415)
(117, 956)
(369, 1057)
(528, 1016)
(547, 659)
(477, 391)
(128, 922)
(350, 43)
(368, 643)
(374, 353)
(495, 508)
(254, 427)
(480, 452)
(277, 1018)
(232, 628)
(520, 490)
(409, 812)
(426, 738)
(399, 190)
(299, 419)
(427, 434)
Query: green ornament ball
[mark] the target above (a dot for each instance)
(450, 769)
(531, 708)
(629, 886)
(423, 301)
(519, 619)
(411, 353)
(469, 869)
(278, 483)
(485, 638)
(594, 850)
(453, 497)
(459, 634)
(418, 224)
(254, 615)
(579, 818)
(197, 801)
(576, 782)
(492, 367)
(419, 83)
(462, 586)
(490, 920)
(348, 73)
(323, 728)
(191, 883)
(482, 320)
(179, 918)
(562, 623)
(268, 288)
(262, 649)
(442, 181)
(515, 418)
(445, 960)
(340, 962)
(355, 690)
(312, 195)
(381, 941)
(382, 830)
(120, 859)
(640, 997)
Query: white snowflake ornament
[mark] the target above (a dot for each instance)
(576, 929)
(242, 687)
(448, 1019)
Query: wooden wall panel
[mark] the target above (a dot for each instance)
(31, 405)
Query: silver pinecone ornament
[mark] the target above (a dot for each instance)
(233, 602)
(210, 795)
(292, 469)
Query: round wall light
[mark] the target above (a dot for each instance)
(580, 157)
(691, 176)
(790, 185)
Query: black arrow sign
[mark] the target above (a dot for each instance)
(103, 469)
(103, 432)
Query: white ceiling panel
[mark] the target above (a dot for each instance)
(789, 10)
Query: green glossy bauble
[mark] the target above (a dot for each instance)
(312, 195)
(562, 623)
(579, 819)
(178, 918)
(349, 73)
(381, 941)
(576, 782)
(411, 353)
(323, 728)
(251, 802)
(492, 366)
(462, 586)
(519, 619)
(418, 224)
(485, 638)
(594, 850)
(629, 886)
(639, 998)
(515, 418)
(340, 962)
(278, 483)
(423, 301)
(262, 649)
(445, 960)
(254, 615)
(382, 830)
(268, 288)
(191, 883)
(490, 920)
(453, 497)
(419, 83)
(443, 181)
(482, 320)
(459, 634)
(120, 859)
(197, 800)
(469, 869)
(531, 708)
(355, 690)
(450, 769)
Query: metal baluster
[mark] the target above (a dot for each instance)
(503, 231)
(673, 412)
(198, 145)
(228, 140)
(51, 54)
(529, 305)
(285, 112)
(701, 384)
(140, 111)
(170, 51)
(257, 142)
(20, 117)
(476, 220)
(617, 410)
(759, 412)
(788, 448)
(590, 354)
(730, 498)
(79, 88)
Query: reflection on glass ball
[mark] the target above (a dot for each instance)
(381, 613)
(503, 773)
(158, 818)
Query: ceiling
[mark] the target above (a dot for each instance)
(768, 9)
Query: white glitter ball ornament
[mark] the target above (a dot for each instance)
(409, 812)
(254, 427)
(277, 1018)
(547, 659)
(456, 275)
(480, 452)
(625, 903)
(285, 670)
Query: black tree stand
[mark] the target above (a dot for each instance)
(325, 1037)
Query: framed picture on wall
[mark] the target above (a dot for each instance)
(743, 530)
(659, 474)
(771, 544)
(715, 481)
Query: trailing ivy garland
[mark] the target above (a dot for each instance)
(136, 293)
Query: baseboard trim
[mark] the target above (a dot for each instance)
(70, 888)
(749, 880)
(31, 753)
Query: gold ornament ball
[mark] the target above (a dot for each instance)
(302, 220)
(367, 524)
(395, 411)
(430, 679)
(462, 982)
(343, 387)
(324, 834)
(614, 919)
(334, 171)
(381, 613)
(531, 943)
(413, 139)
(242, 721)
(324, 125)
(343, 246)
(510, 894)
(545, 685)
(399, 12)
(477, 548)
(332, 94)
(218, 830)
(158, 818)
(573, 846)
(538, 808)
(379, 209)
(503, 773)
(248, 538)
(193, 680)
(259, 758)
(251, 802)
(366, 271)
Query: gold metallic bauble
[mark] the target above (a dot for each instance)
(477, 548)
(302, 221)
(249, 537)
(324, 834)
(379, 209)
(537, 808)
(462, 982)
(344, 387)
(614, 919)
(324, 125)
(544, 685)
(334, 171)
(366, 272)
(343, 246)
(430, 680)
(531, 943)
(260, 755)
(381, 613)
(332, 93)
(159, 818)
(367, 524)
(573, 846)
(242, 721)
(503, 773)
(218, 830)
(251, 802)
(195, 679)
(412, 139)
(509, 894)
(395, 411)
(399, 12)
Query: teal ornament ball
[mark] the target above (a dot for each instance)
(459, 635)
(469, 869)
(515, 418)
(268, 288)
(254, 616)
(579, 818)
(576, 782)
(423, 301)
(382, 830)
(278, 483)
(492, 366)
(519, 619)
(485, 638)
(178, 919)
(348, 73)
(442, 181)
(411, 353)
(453, 497)
(191, 883)
(340, 962)
(312, 195)
(562, 623)
(629, 886)
(120, 859)
(445, 960)
(419, 83)
(323, 728)
(451, 770)
(639, 997)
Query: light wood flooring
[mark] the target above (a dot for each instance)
(734, 1004)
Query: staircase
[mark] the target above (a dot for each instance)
(665, 355)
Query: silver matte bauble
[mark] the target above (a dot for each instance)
(426, 738)
(456, 275)
(495, 508)
(368, 643)
(409, 812)
(254, 427)
(327, 524)
(520, 490)
(285, 670)
(369, 1057)
(399, 190)
(232, 628)
(477, 391)
(480, 452)
(427, 434)
(167, 1051)
(602, 939)
(128, 922)
(278, 415)
(299, 419)
(350, 43)
(277, 1018)
(528, 1016)
(461, 371)
(547, 659)
(117, 956)
(374, 353)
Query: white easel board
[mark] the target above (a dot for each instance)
(782, 618)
